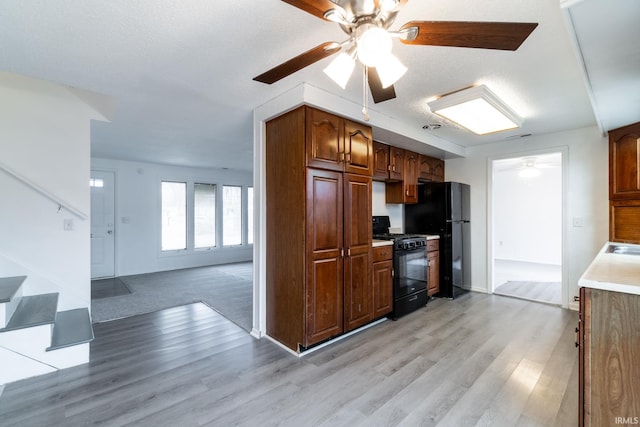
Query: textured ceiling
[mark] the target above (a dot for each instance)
(181, 71)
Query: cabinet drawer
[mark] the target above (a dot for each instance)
(433, 245)
(382, 253)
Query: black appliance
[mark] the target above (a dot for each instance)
(409, 267)
(443, 209)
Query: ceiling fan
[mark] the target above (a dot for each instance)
(367, 23)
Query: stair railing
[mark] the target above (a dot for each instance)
(62, 204)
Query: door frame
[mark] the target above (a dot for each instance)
(564, 153)
(115, 222)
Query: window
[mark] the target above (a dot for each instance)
(231, 215)
(204, 215)
(174, 215)
(250, 215)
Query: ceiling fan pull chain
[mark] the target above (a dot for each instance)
(365, 78)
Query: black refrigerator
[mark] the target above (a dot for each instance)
(443, 209)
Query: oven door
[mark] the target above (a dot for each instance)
(410, 271)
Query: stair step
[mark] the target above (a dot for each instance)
(9, 286)
(34, 310)
(71, 327)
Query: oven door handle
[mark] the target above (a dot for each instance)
(421, 248)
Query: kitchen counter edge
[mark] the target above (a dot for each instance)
(613, 272)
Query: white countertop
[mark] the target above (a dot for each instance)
(613, 272)
(375, 243)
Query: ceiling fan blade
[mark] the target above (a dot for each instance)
(483, 35)
(299, 62)
(379, 93)
(314, 7)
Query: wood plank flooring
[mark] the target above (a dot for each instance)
(479, 360)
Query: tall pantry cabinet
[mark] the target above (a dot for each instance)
(318, 218)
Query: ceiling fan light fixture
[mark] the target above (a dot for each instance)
(374, 44)
(340, 69)
(477, 109)
(390, 70)
(389, 5)
(337, 15)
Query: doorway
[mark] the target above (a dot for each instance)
(102, 185)
(527, 227)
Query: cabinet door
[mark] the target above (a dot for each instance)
(410, 182)
(624, 221)
(325, 140)
(437, 170)
(433, 281)
(382, 288)
(324, 253)
(624, 156)
(380, 160)
(613, 373)
(396, 163)
(583, 342)
(358, 286)
(424, 171)
(358, 148)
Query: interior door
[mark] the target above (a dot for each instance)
(102, 224)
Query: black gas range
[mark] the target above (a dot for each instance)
(410, 266)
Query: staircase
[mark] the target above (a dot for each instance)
(35, 338)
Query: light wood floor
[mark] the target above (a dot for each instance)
(528, 280)
(479, 360)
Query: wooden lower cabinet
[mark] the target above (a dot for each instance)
(609, 355)
(433, 262)
(382, 280)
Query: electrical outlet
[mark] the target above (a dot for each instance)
(67, 224)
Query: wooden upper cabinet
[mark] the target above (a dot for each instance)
(396, 163)
(334, 143)
(380, 161)
(405, 191)
(437, 170)
(430, 169)
(358, 148)
(425, 165)
(410, 182)
(624, 221)
(624, 162)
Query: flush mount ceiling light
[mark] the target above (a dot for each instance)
(477, 109)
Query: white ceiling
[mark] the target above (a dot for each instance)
(181, 70)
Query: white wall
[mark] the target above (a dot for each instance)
(527, 216)
(138, 199)
(380, 207)
(45, 138)
(586, 195)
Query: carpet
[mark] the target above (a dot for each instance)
(547, 292)
(228, 289)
